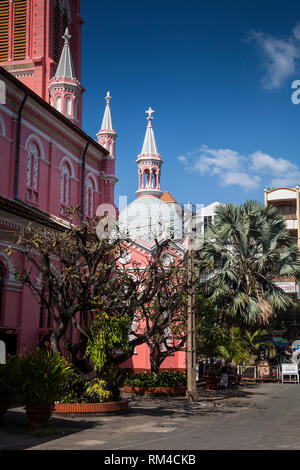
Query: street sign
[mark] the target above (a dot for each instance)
(290, 368)
(287, 286)
(289, 373)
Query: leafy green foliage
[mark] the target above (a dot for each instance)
(79, 271)
(245, 248)
(162, 379)
(8, 385)
(41, 377)
(236, 349)
(212, 332)
(107, 334)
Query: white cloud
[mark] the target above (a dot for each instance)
(182, 159)
(245, 180)
(286, 181)
(216, 160)
(265, 163)
(234, 169)
(280, 56)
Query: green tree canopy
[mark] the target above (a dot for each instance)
(246, 247)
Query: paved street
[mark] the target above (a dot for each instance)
(250, 417)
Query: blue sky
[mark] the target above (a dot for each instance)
(218, 74)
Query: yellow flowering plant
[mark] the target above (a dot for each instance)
(97, 392)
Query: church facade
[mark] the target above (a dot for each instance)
(47, 162)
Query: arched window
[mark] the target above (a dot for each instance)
(32, 172)
(65, 187)
(58, 103)
(68, 106)
(4, 30)
(154, 179)
(20, 22)
(89, 198)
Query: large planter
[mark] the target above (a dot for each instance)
(37, 418)
(212, 382)
(108, 407)
(159, 391)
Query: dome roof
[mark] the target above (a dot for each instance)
(147, 218)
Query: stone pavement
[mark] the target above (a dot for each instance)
(250, 416)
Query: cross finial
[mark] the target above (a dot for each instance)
(66, 37)
(108, 97)
(149, 112)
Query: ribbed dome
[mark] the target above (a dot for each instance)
(147, 218)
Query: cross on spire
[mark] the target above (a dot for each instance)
(67, 36)
(108, 97)
(150, 112)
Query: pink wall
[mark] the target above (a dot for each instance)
(57, 141)
(140, 361)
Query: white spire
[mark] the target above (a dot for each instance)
(149, 146)
(65, 68)
(107, 122)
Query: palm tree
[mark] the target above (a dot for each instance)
(236, 349)
(246, 247)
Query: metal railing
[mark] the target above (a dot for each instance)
(259, 372)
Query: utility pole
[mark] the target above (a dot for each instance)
(192, 392)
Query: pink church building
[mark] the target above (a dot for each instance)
(152, 215)
(47, 162)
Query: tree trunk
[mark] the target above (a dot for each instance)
(58, 334)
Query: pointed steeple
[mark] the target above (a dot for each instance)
(64, 88)
(107, 121)
(149, 146)
(149, 164)
(107, 136)
(65, 68)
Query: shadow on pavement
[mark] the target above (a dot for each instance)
(219, 401)
(15, 433)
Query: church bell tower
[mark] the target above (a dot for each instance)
(31, 41)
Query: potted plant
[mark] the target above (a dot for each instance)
(7, 383)
(42, 376)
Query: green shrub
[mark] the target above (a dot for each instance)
(8, 378)
(41, 378)
(163, 379)
(80, 391)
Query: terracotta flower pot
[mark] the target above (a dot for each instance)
(37, 418)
